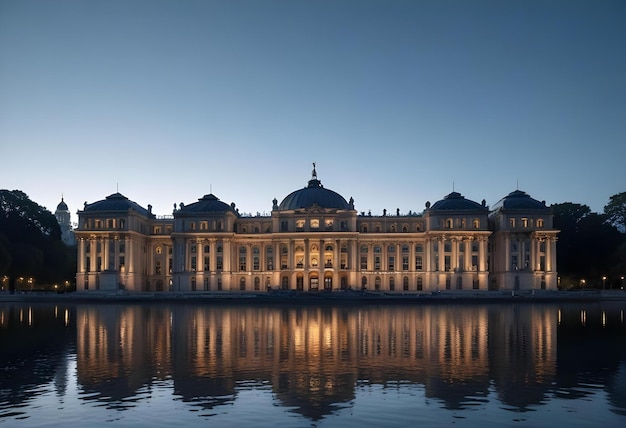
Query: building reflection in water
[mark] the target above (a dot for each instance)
(313, 357)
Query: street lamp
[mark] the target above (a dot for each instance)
(604, 282)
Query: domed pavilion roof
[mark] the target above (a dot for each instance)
(314, 194)
(518, 200)
(456, 202)
(207, 204)
(117, 202)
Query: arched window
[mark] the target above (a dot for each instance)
(419, 284)
(377, 283)
(364, 229)
(242, 284)
(392, 284)
(405, 283)
(476, 223)
(257, 283)
(449, 223)
(405, 249)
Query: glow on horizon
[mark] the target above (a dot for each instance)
(394, 100)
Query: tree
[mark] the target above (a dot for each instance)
(30, 241)
(615, 211)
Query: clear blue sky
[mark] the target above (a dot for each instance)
(396, 101)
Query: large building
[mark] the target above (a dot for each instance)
(315, 240)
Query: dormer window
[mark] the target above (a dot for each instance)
(540, 223)
(315, 223)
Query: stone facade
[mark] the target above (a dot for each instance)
(315, 240)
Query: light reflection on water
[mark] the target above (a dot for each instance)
(308, 365)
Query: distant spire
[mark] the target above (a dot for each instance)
(314, 173)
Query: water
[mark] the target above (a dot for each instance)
(334, 365)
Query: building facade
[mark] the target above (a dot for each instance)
(62, 214)
(315, 240)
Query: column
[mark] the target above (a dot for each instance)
(105, 253)
(92, 254)
(507, 253)
(442, 264)
(454, 265)
(549, 253)
(482, 254)
(81, 255)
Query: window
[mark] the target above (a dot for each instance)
(377, 249)
(207, 249)
(156, 230)
(219, 265)
(328, 224)
(476, 223)
(242, 284)
(405, 249)
(207, 264)
(329, 248)
(192, 225)
(204, 225)
(392, 284)
(207, 284)
(418, 263)
(540, 223)
(364, 229)
(391, 249)
(193, 283)
(363, 262)
(157, 267)
(194, 249)
(364, 249)
(242, 258)
(219, 284)
(405, 262)
(158, 250)
(420, 284)
(524, 222)
(449, 223)
(315, 223)
(405, 283)
(269, 258)
(194, 263)
(257, 284)
(300, 225)
(419, 248)
(391, 263)
(377, 283)
(377, 263)
(512, 222)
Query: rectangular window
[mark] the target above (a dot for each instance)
(207, 285)
(363, 262)
(194, 263)
(270, 263)
(207, 264)
(512, 222)
(524, 222)
(157, 268)
(169, 265)
(446, 263)
(256, 265)
(242, 263)
(122, 261)
(98, 264)
(474, 262)
(219, 263)
(377, 263)
(219, 284)
(284, 226)
(391, 263)
(418, 263)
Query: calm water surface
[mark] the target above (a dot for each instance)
(344, 365)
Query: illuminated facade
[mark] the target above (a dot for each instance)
(315, 240)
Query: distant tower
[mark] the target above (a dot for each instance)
(63, 217)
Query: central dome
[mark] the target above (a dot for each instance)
(314, 194)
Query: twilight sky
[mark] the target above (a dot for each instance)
(396, 101)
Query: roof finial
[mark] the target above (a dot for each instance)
(314, 173)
